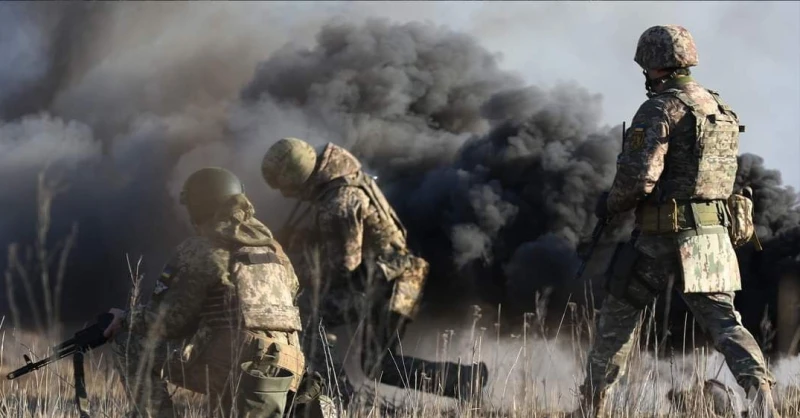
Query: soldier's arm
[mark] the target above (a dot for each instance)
(341, 222)
(641, 161)
(181, 290)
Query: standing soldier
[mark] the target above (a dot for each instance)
(677, 170)
(366, 271)
(222, 319)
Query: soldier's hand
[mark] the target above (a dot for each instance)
(116, 323)
(601, 209)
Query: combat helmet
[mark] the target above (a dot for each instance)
(666, 47)
(206, 189)
(288, 164)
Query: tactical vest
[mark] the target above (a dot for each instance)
(709, 170)
(382, 226)
(262, 295)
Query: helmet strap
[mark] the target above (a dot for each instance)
(650, 84)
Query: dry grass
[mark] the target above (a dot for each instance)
(530, 375)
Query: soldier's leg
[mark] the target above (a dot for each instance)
(322, 346)
(717, 315)
(384, 360)
(381, 336)
(638, 275)
(139, 363)
(238, 372)
(609, 354)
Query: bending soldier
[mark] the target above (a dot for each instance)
(677, 170)
(366, 270)
(222, 319)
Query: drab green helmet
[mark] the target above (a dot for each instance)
(206, 189)
(288, 164)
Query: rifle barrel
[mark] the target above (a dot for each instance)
(41, 363)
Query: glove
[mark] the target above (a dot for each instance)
(601, 209)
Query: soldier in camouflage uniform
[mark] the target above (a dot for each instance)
(222, 319)
(676, 170)
(357, 264)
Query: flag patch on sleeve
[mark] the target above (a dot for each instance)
(161, 283)
(637, 139)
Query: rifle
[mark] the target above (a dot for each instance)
(597, 233)
(82, 342)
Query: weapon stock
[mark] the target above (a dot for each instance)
(597, 233)
(83, 341)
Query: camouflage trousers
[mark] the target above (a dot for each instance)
(714, 312)
(230, 370)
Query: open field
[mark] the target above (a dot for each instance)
(529, 377)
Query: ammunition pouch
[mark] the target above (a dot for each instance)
(742, 229)
(408, 286)
(310, 400)
(281, 318)
(283, 356)
(622, 283)
(675, 216)
(263, 394)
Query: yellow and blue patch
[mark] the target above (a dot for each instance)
(161, 283)
(636, 139)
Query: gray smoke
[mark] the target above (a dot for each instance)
(120, 102)
(490, 175)
(501, 214)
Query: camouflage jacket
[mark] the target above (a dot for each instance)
(209, 283)
(664, 134)
(672, 151)
(350, 223)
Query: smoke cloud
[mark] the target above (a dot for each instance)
(495, 179)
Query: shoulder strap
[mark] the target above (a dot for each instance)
(369, 185)
(683, 98)
(724, 108)
(255, 258)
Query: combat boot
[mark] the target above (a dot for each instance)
(763, 405)
(591, 405)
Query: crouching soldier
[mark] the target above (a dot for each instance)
(356, 246)
(222, 319)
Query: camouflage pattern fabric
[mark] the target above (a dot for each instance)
(708, 263)
(742, 228)
(714, 312)
(668, 46)
(355, 221)
(647, 174)
(146, 366)
(179, 334)
(669, 155)
(357, 268)
(408, 289)
(661, 124)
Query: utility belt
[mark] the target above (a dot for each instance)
(681, 215)
(287, 356)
